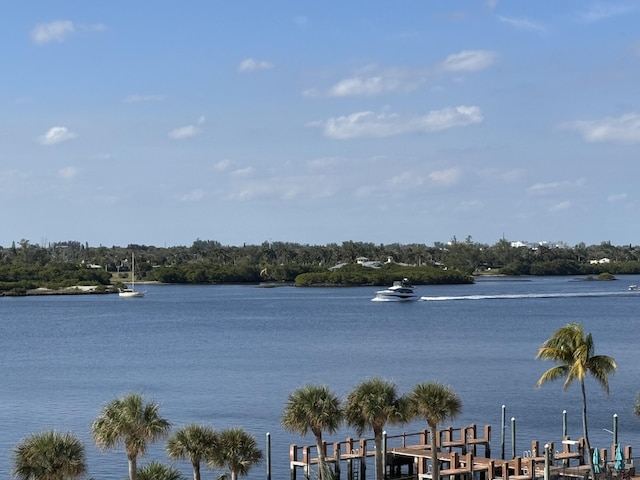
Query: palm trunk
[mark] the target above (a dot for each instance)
(320, 447)
(435, 468)
(587, 444)
(133, 467)
(379, 453)
(196, 470)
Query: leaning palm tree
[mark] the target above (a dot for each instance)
(132, 422)
(435, 403)
(194, 443)
(49, 456)
(158, 471)
(373, 404)
(315, 408)
(575, 354)
(237, 451)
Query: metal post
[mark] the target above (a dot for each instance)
(564, 423)
(268, 456)
(547, 461)
(615, 429)
(502, 432)
(513, 437)
(384, 455)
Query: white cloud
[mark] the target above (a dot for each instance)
(406, 180)
(222, 165)
(56, 135)
(550, 187)
(193, 196)
(242, 172)
(391, 80)
(469, 61)
(560, 206)
(57, 30)
(617, 197)
(446, 177)
(603, 11)
(135, 98)
(251, 65)
(187, 131)
(68, 172)
(522, 24)
(370, 124)
(624, 129)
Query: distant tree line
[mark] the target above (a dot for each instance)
(25, 265)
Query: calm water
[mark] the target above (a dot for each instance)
(229, 356)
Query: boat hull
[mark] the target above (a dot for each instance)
(130, 294)
(394, 298)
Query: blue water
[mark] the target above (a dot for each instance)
(229, 356)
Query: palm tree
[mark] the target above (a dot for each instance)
(131, 421)
(315, 408)
(194, 443)
(636, 407)
(373, 404)
(157, 471)
(49, 456)
(575, 354)
(435, 403)
(236, 450)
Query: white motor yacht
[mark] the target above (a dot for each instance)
(400, 291)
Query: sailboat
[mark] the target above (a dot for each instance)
(131, 292)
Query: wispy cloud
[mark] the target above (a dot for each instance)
(617, 197)
(188, 131)
(522, 24)
(365, 84)
(193, 196)
(59, 30)
(623, 129)
(446, 177)
(552, 187)
(68, 173)
(56, 135)
(370, 124)
(135, 98)
(603, 11)
(564, 205)
(374, 80)
(469, 61)
(250, 65)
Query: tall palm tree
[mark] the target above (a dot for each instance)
(194, 443)
(236, 450)
(158, 471)
(574, 351)
(131, 421)
(315, 408)
(373, 404)
(49, 456)
(435, 403)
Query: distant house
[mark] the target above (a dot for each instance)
(600, 262)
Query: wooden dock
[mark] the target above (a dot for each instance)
(408, 456)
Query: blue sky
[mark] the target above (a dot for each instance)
(159, 123)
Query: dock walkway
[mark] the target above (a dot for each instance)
(408, 456)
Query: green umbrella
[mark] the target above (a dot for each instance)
(619, 463)
(596, 461)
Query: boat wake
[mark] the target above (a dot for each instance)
(528, 295)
